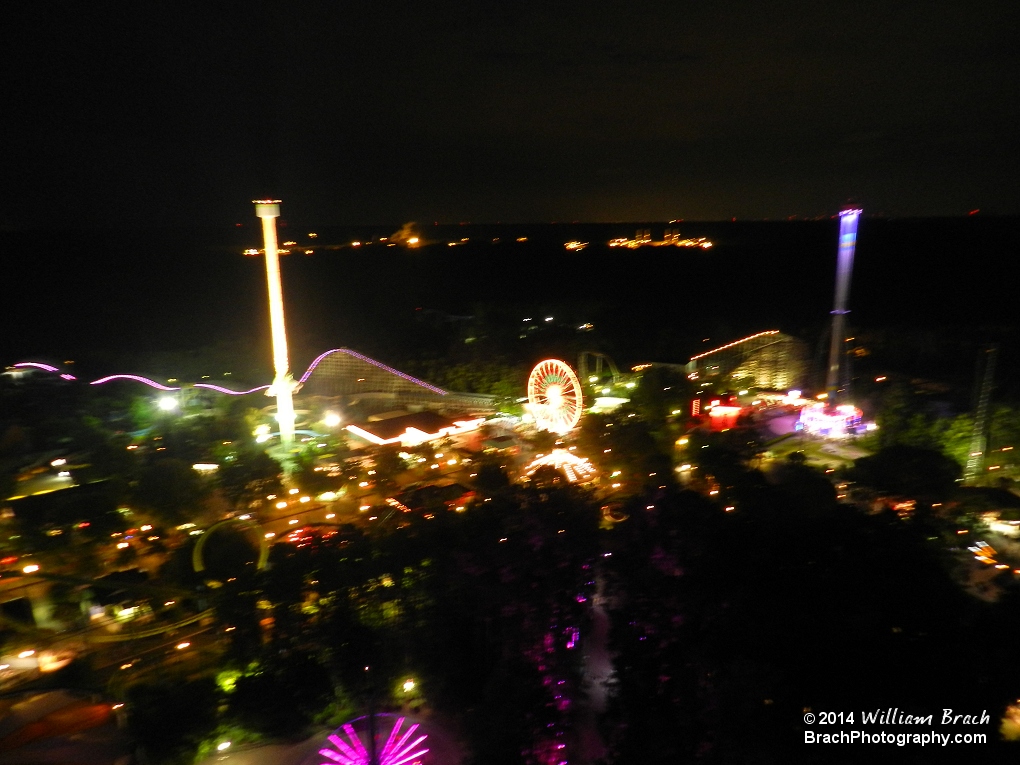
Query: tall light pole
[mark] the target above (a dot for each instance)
(844, 267)
(283, 386)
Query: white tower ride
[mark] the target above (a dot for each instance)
(283, 386)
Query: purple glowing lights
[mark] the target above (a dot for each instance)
(136, 378)
(229, 392)
(349, 748)
(220, 389)
(373, 362)
(44, 367)
(160, 386)
(36, 364)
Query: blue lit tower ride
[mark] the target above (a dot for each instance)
(848, 220)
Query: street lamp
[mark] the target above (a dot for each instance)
(283, 386)
(167, 403)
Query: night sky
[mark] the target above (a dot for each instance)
(155, 113)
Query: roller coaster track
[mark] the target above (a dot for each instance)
(88, 634)
(599, 358)
(343, 352)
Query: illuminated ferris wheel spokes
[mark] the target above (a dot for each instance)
(402, 747)
(554, 393)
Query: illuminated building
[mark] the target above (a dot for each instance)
(283, 386)
(771, 360)
(848, 220)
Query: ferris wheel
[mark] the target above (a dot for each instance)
(554, 393)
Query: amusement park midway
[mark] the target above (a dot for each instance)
(517, 546)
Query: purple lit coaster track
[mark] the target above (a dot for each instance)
(354, 368)
(350, 744)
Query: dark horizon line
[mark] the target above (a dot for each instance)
(104, 228)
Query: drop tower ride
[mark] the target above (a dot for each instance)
(283, 386)
(848, 220)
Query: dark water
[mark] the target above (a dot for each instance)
(933, 289)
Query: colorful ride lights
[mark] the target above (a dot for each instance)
(554, 396)
(400, 747)
(837, 422)
(44, 367)
(221, 389)
(159, 386)
(36, 365)
(137, 378)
